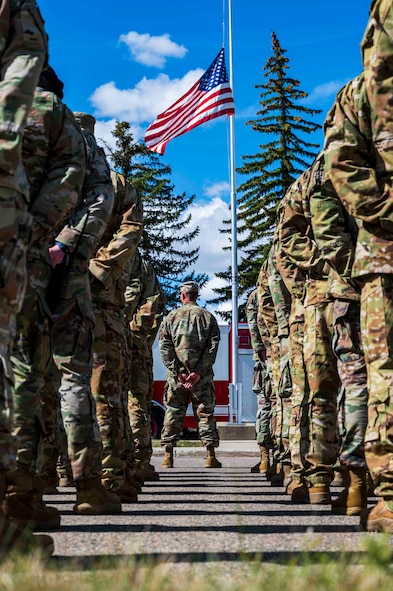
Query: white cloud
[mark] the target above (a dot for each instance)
(143, 102)
(152, 51)
(324, 91)
(217, 189)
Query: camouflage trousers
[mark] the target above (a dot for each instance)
(323, 385)
(353, 395)
(283, 404)
(72, 341)
(139, 407)
(299, 437)
(264, 392)
(14, 230)
(203, 400)
(376, 321)
(31, 358)
(377, 51)
(110, 349)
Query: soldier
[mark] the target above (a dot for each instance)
(108, 269)
(73, 327)
(53, 154)
(357, 157)
(145, 306)
(320, 411)
(335, 232)
(295, 280)
(189, 338)
(268, 326)
(261, 383)
(23, 44)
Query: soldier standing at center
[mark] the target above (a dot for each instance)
(189, 338)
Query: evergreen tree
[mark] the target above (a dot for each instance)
(166, 240)
(272, 170)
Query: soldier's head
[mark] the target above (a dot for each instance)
(189, 291)
(49, 80)
(86, 121)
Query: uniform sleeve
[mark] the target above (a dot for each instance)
(294, 233)
(111, 259)
(63, 177)
(252, 321)
(24, 51)
(92, 215)
(347, 157)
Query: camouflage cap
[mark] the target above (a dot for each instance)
(86, 121)
(189, 287)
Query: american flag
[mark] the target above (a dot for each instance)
(210, 97)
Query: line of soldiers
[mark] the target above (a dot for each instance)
(323, 305)
(77, 301)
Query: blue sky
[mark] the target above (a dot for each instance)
(130, 60)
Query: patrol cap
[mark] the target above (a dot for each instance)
(189, 287)
(86, 121)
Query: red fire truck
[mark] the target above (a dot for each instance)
(243, 409)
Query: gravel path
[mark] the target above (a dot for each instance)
(195, 515)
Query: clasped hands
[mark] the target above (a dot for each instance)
(189, 380)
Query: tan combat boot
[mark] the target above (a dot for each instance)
(92, 498)
(320, 495)
(167, 462)
(353, 499)
(379, 518)
(263, 465)
(24, 504)
(211, 460)
(147, 473)
(17, 539)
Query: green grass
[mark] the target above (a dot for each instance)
(370, 570)
(181, 443)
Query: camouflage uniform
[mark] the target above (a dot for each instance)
(73, 318)
(360, 174)
(108, 269)
(282, 304)
(335, 232)
(261, 384)
(297, 241)
(53, 154)
(295, 280)
(189, 338)
(23, 49)
(145, 303)
(268, 327)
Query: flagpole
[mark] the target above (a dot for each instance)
(234, 386)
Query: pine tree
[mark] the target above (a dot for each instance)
(166, 238)
(272, 170)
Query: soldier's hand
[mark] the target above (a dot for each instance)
(182, 378)
(56, 254)
(193, 378)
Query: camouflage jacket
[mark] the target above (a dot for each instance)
(145, 305)
(189, 338)
(118, 244)
(252, 320)
(87, 223)
(293, 276)
(54, 158)
(280, 294)
(24, 52)
(267, 319)
(358, 174)
(297, 238)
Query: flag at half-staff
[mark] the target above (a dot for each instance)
(210, 97)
